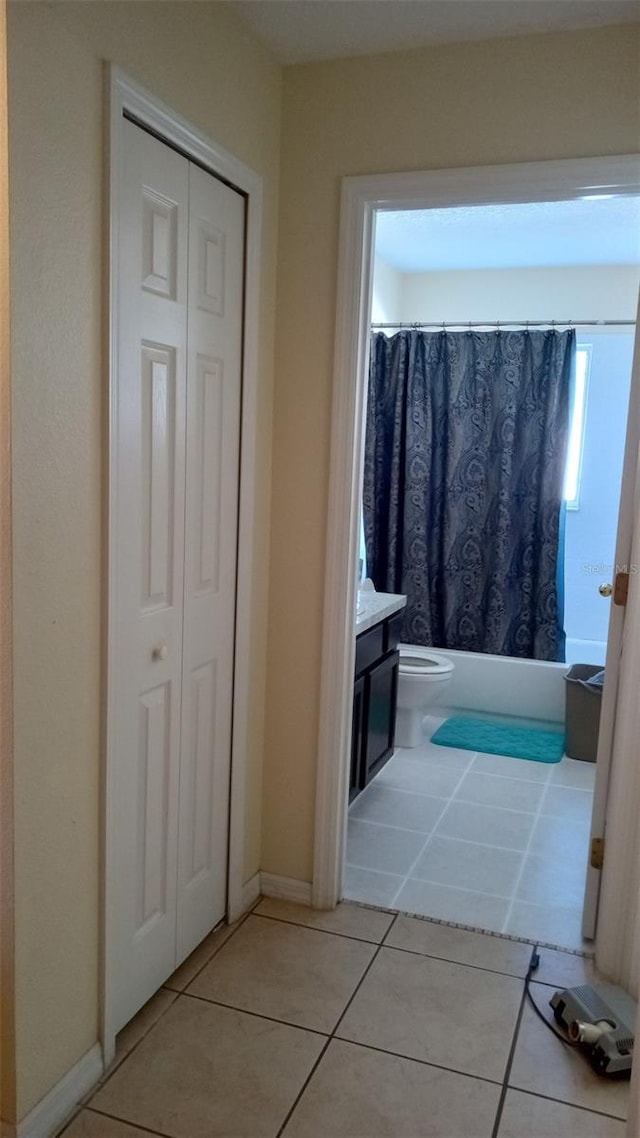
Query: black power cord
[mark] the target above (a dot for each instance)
(533, 964)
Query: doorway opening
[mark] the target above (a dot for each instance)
(465, 817)
(480, 838)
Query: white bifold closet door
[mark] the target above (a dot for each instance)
(177, 423)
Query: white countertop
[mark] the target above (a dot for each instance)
(373, 607)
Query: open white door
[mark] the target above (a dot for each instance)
(620, 625)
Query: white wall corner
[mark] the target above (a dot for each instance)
(58, 1105)
(286, 888)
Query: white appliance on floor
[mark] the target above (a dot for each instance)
(423, 679)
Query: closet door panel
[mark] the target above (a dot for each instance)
(216, 265)
(148, 588)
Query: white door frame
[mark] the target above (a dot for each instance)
(361, 197)
(126, 96)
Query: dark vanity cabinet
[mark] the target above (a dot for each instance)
(374, 701)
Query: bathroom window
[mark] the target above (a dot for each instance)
(573, 470)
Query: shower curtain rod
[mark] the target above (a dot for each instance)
(507, 324)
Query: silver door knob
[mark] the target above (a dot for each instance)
(160, 652)
(605, 590)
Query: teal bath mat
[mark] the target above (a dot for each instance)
(501, 739)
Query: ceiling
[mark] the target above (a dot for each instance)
(300, 31)
(592, 231)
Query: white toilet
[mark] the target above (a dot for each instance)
(423, 679)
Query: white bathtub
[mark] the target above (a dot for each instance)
(504, 685)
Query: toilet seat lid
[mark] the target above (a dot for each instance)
(418, 661)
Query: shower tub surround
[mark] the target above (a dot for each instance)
(527, 690)
(483, 840)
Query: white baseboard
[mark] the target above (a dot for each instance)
(286, 888)
(250, 892)
(56, 1107)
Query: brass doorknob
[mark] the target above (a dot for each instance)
(605, 590)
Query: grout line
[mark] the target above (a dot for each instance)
(565, 1102)
(256, 1015)
(505, 809)
(432, 760)
(239, 924)
(384, 939)
(510, 1059)
(513, 937)
(482, 806)
(451, 837)
(461, 963)
(333, 1033)
(471, 769)
(128, 1122)
(484, 845)
(388, 826)
(387, 785)
(461, 889)
(384, 872)
(509, 777)
(117, 1063)
(422, 1062)
(315, 929)
(480, 931)
(435, 826)
(119, 1060)
(566, 949)
(516, 886)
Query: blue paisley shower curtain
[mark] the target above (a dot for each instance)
(466, 439)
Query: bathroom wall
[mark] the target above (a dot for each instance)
(601, 292)
(386, 302)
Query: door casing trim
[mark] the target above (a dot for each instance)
(360, 199)
(124, 96)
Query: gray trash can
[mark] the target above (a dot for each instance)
(582, 717)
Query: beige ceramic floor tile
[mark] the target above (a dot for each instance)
(527, 1116)
(459, 946)
(349, 920)
(302, 976)
(436, 1011)
(188, 971)
(564, 969)
(141, 1023)
(90, 1125)
(210, 1072)
(545, 1066)
(359, 1093)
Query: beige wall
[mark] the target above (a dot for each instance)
(201, 62)
(541, 97)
